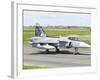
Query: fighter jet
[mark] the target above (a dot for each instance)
(42, 41)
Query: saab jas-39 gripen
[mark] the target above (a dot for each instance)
(42, 41)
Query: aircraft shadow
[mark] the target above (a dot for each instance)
(55, 53)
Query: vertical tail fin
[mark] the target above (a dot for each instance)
(39, 31)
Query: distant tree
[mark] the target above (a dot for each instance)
(68, 27)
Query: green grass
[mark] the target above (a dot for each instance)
(87, 41)
(54, 32)
(25, 67)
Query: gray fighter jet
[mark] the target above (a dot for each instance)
(42, 41)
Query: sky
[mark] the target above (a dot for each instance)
(56, 18)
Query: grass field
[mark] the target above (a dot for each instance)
(29, 32)
(26, 67)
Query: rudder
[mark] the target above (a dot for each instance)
(39, 31)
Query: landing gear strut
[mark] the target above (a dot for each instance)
(76, 51)
(57, 49)
(47, 50)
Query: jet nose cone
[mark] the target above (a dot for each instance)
(82, 44)
(87, 45)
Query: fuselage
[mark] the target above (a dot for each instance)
(61, 42)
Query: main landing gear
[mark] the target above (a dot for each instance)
(47, 50)
(57, 49)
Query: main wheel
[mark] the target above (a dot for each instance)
(47, 50)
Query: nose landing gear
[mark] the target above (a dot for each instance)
(76, 51)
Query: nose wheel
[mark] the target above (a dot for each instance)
(76, 51)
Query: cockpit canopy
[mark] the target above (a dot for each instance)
(74, 38)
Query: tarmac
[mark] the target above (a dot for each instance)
(65, 58)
